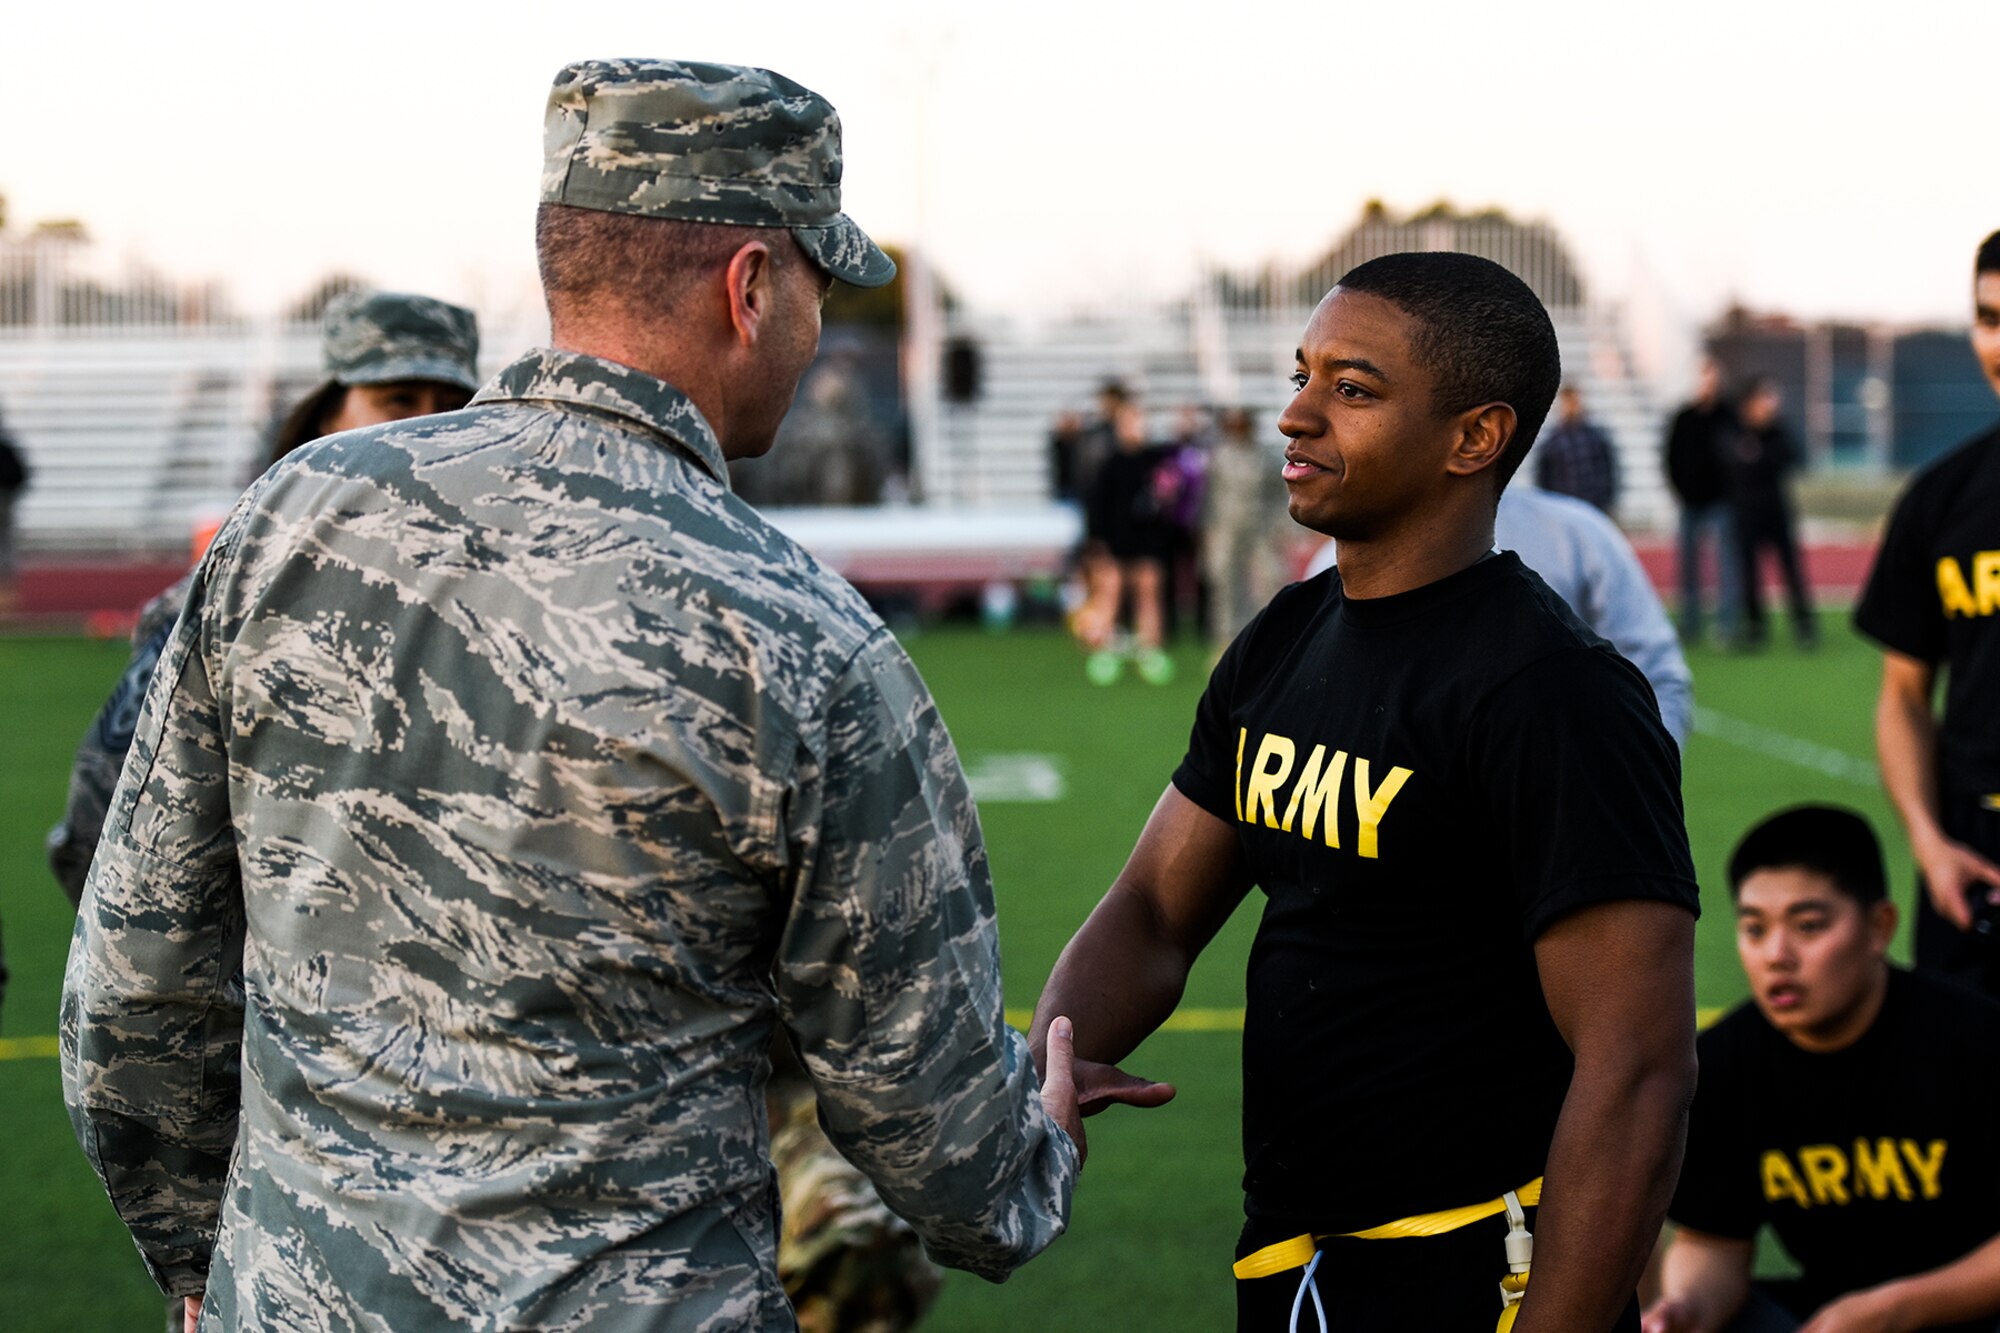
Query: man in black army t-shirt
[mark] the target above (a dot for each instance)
(1474, 965)
(1849, 1105)
(1932, 601)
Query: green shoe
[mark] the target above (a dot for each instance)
(1155, 667)
(1103, 667)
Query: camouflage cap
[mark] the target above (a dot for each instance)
(705, 143)
(378, 337)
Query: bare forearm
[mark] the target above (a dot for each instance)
(1906, 746)
(1117, 980)
(1611, 1172)
(1960, 1292)
(1704, 1280)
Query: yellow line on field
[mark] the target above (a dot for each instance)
(1231, 1020)
(1181, 1020)
(28, 1048)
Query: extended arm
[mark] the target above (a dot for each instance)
(152, 1007)
(1619, 981)
(1906, 744)
(1703, 1282)
(888, 978)
(1962, 1292)
(1124, 971)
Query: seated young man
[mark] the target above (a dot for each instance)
(1850, 1105)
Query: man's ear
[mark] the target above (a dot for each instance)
(751, 282)
(1483, 435)
(1881, 925)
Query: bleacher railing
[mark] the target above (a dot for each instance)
(53, 284)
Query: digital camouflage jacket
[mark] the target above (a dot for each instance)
(506, 780)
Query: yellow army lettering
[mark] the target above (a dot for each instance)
(1823, 1175)
(1978, 597)
(1314, 799)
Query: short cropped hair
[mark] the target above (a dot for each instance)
(1827, 840)
(1480, 331)
(1989, 256)
(590, 257)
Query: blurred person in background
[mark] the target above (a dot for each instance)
(830, 449)
(1575, 457)
(1126, 542)
(1933, 604)
(388, 356)
(1243, 525)
(1700, 483)
(1760, 456)
(1179, 488)
(13, 480)
(1079, 445)
(1848, 1105)
(1584, 557)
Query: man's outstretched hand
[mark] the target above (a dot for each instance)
(1073, 1088)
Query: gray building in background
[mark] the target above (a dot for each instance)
(1867, 397)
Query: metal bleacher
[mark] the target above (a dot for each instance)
(134, 436)
(137, 432)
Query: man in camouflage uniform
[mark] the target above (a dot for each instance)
(528, 779)
(380, 341)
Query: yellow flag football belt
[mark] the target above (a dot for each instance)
(1303, 1251)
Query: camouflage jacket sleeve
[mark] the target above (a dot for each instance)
(888, 977)
(99, 758)
(152, 1007)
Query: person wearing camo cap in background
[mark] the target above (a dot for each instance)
(535, 779)
(388, 356)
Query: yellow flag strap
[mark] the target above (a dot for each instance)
(1298, 1251)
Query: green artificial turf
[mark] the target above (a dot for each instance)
(1158, 1208)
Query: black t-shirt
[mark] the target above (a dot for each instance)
(1871, 1163)
(1756, 460)
(1122, 509)
(1694, 453)
(1422, 784)
(1934, 595)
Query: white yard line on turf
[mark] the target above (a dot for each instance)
(1016, 778)
(1786, 748)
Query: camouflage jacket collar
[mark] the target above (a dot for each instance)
(551, 376)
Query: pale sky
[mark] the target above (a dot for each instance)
(1828, 158)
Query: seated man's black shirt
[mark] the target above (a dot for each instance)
(1871, 1163)
(1422, 784)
